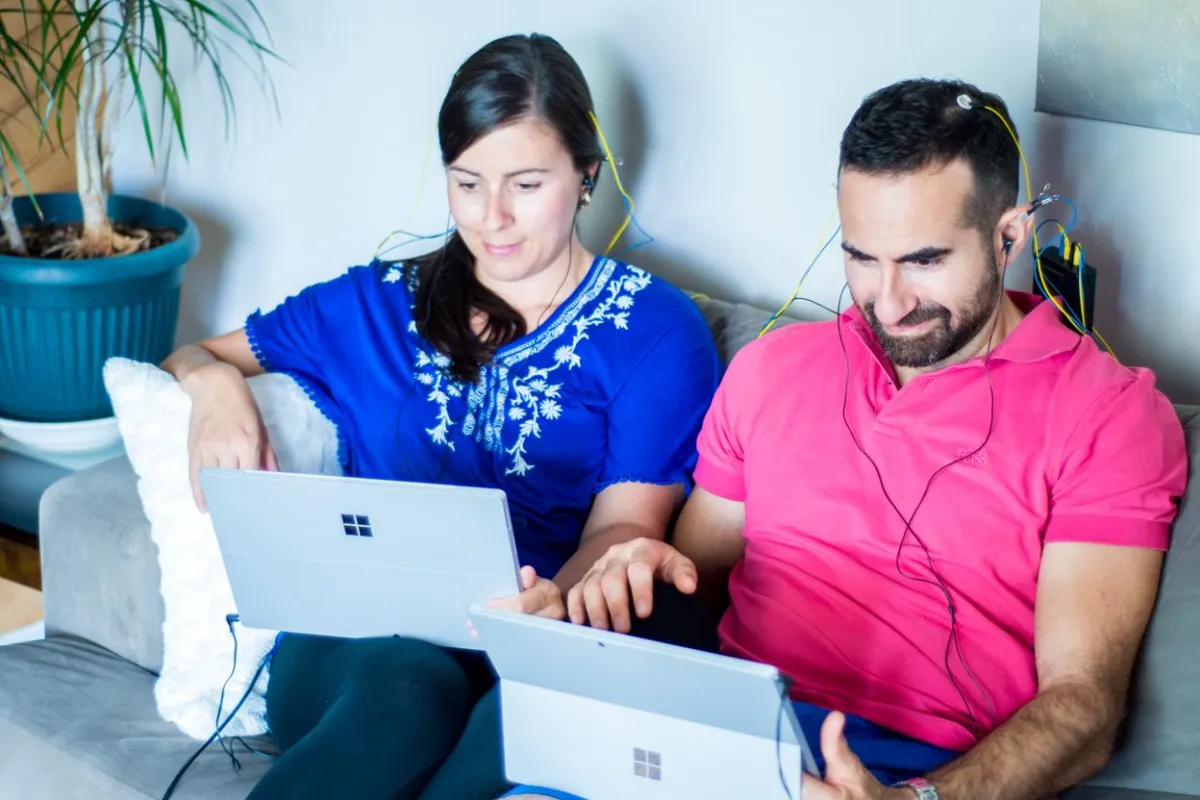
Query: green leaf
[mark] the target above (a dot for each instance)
(6, 151)
(13, 66)
(77, 36)
(135, 78)
(160, 38)
(202, 43)
(73, 58)
(245, 34)
(172, 94)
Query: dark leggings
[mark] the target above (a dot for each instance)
(401, 718)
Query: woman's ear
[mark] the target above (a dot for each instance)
(589, 185)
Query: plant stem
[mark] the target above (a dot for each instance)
(8, 217)
(97, 228)
(114, 96)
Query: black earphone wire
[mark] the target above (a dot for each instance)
(953, 642)
(589, 185)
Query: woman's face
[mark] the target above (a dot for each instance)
(513, 195)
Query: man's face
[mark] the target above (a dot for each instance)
(925, 283)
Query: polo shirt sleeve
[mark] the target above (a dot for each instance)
(1122, 471)
(721, 446)
(654, 418)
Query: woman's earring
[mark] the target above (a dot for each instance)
(589, 183)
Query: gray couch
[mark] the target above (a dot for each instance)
(77, 713)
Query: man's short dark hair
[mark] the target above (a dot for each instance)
(915, 124)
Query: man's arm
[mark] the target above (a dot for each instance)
(1093, 605)
(709, 533)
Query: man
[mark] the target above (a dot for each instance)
(944, 514)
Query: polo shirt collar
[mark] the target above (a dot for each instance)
(1039, 335)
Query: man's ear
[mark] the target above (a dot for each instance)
(1013, 230)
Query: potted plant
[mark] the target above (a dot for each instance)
(88, 275)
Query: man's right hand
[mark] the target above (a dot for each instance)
(226, 429)
(628, 570)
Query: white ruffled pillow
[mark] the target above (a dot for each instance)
(153, 413)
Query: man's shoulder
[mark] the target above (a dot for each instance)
(795, 345)
(787, 363)
(1114, 403)
(1090, 376)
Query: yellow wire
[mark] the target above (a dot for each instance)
(421, 178)
(1036, 251)
(412, 211)
(1029, 197)
(612, 162)
(796, 292)
(1079, 281)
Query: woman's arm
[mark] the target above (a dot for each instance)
(620, 513)
(230, 350)
(226, 428)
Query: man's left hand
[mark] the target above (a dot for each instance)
(845, 776)
(541, 597)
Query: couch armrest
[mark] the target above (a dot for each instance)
(100, 573)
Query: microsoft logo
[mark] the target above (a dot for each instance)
(647, 764)
(356, 525)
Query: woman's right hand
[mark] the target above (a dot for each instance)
(226, 428)
(628, 571)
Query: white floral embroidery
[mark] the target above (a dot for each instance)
(438, 394)
(393, 274)
(535, 396)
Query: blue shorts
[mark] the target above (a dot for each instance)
(890, 756)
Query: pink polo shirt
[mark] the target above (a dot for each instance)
(1082, 450)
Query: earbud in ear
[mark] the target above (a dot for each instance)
(1008, 243)
(589, 184)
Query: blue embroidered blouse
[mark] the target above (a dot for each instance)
(612, 387)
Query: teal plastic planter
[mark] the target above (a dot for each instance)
(61, 320)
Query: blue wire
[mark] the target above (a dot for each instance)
(795, 295)
(820, 253)
(1056, 237)
(1067, 228)
(413, 237)
(633, 218)
(1049, 285)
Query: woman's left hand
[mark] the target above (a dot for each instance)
(541, 597)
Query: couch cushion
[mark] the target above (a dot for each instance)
(100, 570)
(733, 325)
(1162, 737)
(78, 721)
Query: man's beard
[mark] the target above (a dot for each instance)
(947, 336)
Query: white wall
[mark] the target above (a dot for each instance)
(1138, 200)
(728, 120)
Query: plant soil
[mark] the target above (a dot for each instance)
(49, 241)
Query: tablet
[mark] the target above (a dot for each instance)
(357, 557)
(606, 715)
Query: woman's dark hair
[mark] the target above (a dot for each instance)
(507, 80)
(914, 124)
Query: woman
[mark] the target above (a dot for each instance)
(510, 358)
